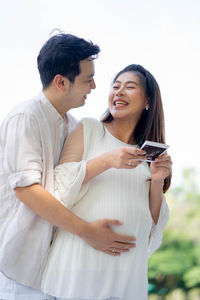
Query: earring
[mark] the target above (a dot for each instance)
(147, 107)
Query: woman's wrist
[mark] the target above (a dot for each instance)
(158, 181)
(106, 161)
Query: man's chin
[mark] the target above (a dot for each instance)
(82, 103)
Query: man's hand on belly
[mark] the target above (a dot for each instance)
(102, 238)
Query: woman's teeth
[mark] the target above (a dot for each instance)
(120, 103)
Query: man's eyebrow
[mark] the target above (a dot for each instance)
(127, 82)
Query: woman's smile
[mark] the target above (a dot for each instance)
(118, 103)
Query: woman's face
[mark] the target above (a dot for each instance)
(127, 97)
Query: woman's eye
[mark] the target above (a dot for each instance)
(130, 87)
(115, 87)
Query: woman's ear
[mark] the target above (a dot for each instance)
(147, 104)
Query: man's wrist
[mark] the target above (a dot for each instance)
(84, 230)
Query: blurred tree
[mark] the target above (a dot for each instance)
(177, 263)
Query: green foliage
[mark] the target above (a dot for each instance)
(177, 263)
(192, 277)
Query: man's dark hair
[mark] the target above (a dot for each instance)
(62, 54)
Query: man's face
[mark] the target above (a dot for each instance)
(82, 86)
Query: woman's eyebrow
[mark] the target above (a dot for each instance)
(130, 81)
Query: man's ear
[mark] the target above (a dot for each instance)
(61, 83)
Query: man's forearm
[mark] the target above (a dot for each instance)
(97, 233)
(49, 208)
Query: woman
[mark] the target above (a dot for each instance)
(102, 174)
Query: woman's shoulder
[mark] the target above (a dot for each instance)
(89, 121)
(92, 124)
(93, 131)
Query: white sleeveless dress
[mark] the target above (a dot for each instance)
(75, 269)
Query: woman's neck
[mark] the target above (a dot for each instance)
(122, 130)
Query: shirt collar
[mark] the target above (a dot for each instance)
(51, 111)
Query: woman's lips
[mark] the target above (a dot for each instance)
(119, 103)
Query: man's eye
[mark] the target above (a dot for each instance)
(130, 87)
(115, 87)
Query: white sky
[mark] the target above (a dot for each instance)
(161, 35)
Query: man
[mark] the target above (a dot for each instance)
(31, 140)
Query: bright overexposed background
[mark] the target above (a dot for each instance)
(161, 35)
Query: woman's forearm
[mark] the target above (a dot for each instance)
(117, 158)
(97, 166)
(155, 199)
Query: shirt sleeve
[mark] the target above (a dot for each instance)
(69, 187)
(92, 131)
(69, 176)
(157, 230)
(22, 153)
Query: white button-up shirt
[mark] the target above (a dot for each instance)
(31, 140)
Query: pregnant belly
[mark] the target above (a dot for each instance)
(135, 216)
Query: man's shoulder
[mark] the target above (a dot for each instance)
(29, 107)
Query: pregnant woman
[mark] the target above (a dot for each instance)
(103, 174)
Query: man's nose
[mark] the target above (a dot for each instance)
(93, 85)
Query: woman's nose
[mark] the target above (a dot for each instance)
(120, 91)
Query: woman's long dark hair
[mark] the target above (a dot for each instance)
(151, 123)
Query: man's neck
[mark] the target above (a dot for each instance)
(56, 101)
